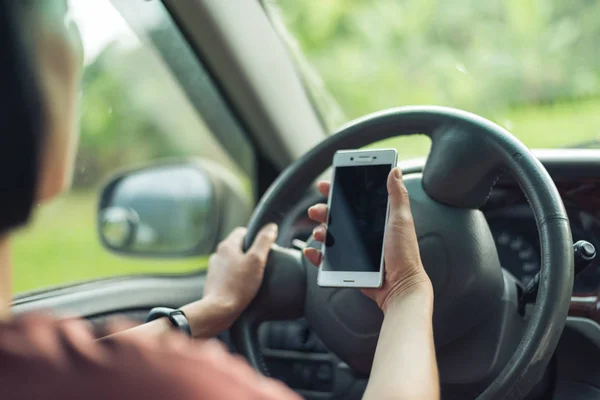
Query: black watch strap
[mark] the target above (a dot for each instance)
(176, 317)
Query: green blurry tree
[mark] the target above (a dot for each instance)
(483, 56)
(360, 56)
(115, 131)
(134, 111)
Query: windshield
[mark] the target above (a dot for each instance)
(532, 66)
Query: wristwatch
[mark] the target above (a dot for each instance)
(177, 318)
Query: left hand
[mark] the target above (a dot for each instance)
(234, 277)
(404, 270)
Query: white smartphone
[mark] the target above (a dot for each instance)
(358, 212)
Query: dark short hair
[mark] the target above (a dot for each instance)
(21, 119)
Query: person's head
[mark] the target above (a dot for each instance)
(40, 64)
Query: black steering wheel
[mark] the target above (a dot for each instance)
(485, 348)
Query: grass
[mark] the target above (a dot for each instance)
(61, 246)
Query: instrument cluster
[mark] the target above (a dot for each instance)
(517, 242)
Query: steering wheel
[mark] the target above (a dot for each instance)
(485, 347)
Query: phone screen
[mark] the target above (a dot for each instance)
(356, 226)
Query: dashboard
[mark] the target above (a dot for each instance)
(517, 242)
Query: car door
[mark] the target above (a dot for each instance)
(146, 101)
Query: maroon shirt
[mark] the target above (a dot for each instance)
(42, 358)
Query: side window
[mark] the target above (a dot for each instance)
(134, 111)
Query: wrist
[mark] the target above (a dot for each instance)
(419, 291)
(208, 317)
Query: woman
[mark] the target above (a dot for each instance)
(43, 358)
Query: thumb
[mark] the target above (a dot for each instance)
(399, 201)
(400, 239)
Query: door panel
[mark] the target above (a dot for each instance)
(115, 295)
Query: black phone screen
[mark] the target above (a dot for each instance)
(356, 224)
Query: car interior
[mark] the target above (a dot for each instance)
(517, 306)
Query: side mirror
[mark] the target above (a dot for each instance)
(171, 210)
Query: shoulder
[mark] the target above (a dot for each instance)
(44, 358)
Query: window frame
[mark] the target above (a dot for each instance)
(190, 72)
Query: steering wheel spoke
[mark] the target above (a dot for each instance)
(281, 295)
(462, 166)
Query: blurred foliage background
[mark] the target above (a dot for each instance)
(131, 114)
(530, 65)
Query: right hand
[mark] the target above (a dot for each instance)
(404, 270)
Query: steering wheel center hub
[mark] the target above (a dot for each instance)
(458, 253)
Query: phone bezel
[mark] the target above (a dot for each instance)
(346, 158)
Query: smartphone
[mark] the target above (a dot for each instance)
(358, 212)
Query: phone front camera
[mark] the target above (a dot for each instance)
(351, 158)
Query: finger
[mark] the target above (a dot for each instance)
(399, 200)
(319, 233)
(318, 213)
(313, 255)
(262, 243)
(401, 242)
(236, 237)
(324, 187)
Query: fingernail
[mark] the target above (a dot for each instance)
(397, 173)
(272, 229)
(309, 250)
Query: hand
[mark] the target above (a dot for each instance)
(232, 281)
(404, 270)
(233, 276)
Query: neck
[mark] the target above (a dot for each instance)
(5, 278)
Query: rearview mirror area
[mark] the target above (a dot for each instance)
(171, 210)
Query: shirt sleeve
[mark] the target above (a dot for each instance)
(41, 358)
